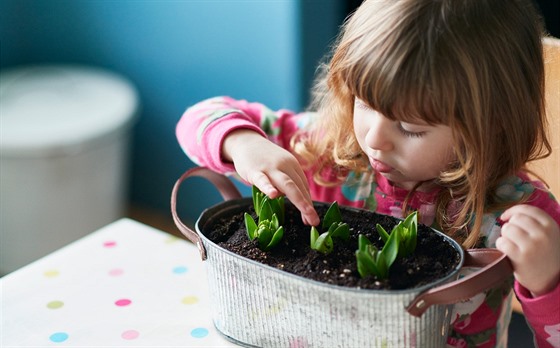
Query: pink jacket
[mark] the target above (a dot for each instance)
(480, 322)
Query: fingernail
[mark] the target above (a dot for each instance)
(315, 219)
(310, 219)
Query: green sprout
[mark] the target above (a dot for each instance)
(335, 228)
(406, 234)
(270, 211)
(400, 243)
(372, 261)
(262, 203)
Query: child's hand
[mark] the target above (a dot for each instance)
(271, 168)
(531, 240)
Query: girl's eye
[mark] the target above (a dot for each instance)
(409, 133)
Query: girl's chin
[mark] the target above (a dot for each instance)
(396, 180)
(406, 186)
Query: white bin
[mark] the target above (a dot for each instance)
(64, 148)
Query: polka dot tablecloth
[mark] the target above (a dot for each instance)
(125, 285)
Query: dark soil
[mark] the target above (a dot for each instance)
(433, 259)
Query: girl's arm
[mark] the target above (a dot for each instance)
(542, 314)
(203, 127)
(531, 239)
(228, 135)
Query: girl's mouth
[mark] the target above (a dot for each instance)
(380, 166)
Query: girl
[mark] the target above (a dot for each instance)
(426, 105)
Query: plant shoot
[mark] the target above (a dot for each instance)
(270, 212)
(334, 227)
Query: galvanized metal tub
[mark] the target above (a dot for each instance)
(257, 305)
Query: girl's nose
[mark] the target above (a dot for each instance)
(378, 136)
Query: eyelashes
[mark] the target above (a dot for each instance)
(361, 105)
(409, 133)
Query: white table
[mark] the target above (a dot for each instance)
(125, 285)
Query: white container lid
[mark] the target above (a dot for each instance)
(60, 110)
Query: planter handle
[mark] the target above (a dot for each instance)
(496, 268)
(226, 188)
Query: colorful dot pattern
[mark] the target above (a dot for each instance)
(58, 337)
(199, 332)
(124, 283)
(130, 335)
(180, 270)
(116, 272)
(123, 302)
(55, 304)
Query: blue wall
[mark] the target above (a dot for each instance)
(176, 53)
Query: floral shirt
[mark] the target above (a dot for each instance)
(483, 320)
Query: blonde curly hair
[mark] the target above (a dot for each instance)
(475, 66)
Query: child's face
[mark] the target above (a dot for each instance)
(404, 153)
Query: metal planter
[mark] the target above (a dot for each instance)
(257, 305)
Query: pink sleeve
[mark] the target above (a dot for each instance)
(542, 314)
(204, 126)
(544, 199)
